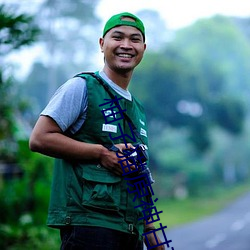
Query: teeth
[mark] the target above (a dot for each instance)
(125, 55)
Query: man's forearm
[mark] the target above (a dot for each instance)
(60, 146)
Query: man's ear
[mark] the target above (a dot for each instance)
(101, 41)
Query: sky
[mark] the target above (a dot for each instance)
(176, 14)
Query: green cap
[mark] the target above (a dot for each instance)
(117, 20)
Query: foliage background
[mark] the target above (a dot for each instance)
(194, 83)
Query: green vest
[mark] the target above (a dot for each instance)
(85, 193)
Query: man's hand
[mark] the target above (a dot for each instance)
(110, 160)
(151, 237)
(152, 242)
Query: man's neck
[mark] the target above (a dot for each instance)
(121, 80)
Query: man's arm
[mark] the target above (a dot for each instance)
(47, 138)
(151, 237)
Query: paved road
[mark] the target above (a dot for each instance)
(227, 230)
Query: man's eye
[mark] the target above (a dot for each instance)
(136, 40)
(117, 37)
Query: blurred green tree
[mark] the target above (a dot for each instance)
(69, 34)
(69, 39)
(16, 31)
(23, 201)
(195, 91)
(196, 81)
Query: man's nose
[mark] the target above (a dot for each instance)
(126, 44)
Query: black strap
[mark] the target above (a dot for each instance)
(107, 88)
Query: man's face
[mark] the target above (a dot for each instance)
(123, 48)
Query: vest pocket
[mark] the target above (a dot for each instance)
(101, 189)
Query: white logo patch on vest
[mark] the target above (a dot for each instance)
(142, 122)
(143, 132)
(109, 128)
(108, 113)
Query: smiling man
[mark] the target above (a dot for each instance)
(92, 202)
(123, 44)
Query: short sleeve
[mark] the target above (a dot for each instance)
(68, 105)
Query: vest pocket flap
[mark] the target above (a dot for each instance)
(101, 189)
(98, 173)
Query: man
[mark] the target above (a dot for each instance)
(91, 201)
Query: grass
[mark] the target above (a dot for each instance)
(176, 212)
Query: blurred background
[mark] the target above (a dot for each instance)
(194, 82)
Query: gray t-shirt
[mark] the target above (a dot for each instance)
(68, 106)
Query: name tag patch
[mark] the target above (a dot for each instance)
(109, 128)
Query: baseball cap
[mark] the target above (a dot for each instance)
(117, 20)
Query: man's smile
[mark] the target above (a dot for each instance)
(123, 55)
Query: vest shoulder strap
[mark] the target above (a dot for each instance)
(107, 88)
